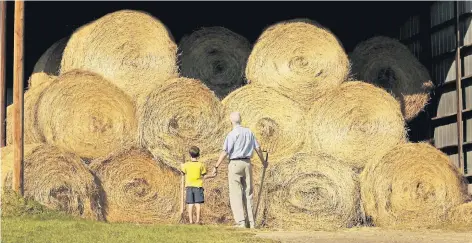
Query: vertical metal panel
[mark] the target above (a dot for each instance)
(441, 12)
(465, 7)
(410, 28)
(443, 41)
(445, 135)
(467, 63)
(443, 71)
(468, 97)
(466, 31)
(415, 48)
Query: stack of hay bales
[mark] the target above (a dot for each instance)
(216, 56)
(132, 49)
(56, 179)
(389, 64)
(119, 103)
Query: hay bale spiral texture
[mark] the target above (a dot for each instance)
(50, 61)
(138, 189)
(414, 185)
(82, 112)
(356, 123)
(216, 56)
(132, 49)
(178, 114)
(56, 179)
(388, 63)
(31, 133)
(299, 58)
(277, 121)
(312, 192)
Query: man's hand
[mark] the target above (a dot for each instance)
(214, 172)
(261, 157)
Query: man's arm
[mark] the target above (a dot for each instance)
(223, 155)
(258, 150)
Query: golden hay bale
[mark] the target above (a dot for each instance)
(277, 121)
(130, 48)
(178, 114)
(217, 208)
(299, 58)
(216, 56)
(50, 61)
(356, 123)
(31, 134)
(388, 63)
(461, 214)
(414, 185)
(55, 179)
(138, 189)
(82, 112)
(312, 192)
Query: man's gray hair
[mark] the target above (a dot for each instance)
(235, 117)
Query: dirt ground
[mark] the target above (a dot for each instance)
(370, 235)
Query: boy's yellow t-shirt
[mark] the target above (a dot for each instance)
(194, 171)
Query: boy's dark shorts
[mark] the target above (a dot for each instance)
(195, 195)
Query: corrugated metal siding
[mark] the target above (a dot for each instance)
(442, 12)
(467, 63)
(466, 31)
(415, 48)
(465, 7)
(443, 41)
(444, 71)
(410, 28)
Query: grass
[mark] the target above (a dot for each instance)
(27, 221)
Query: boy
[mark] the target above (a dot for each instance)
(195, 172)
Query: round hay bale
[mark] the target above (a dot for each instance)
(216, 56)
(461, 215)
(217, 208)
(414, 185)
(389, 64)
(50, 61)
(31, 134)
(132, 49)
(180, 113)
(356, 123)
(56, 179)
(277, 121)
(300, 58)
(138, 189)
(312, 192)
(82, 112)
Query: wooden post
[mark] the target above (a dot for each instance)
(3, 54)
(459, 91)
(18, 98)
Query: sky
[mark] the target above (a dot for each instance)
(351, 22)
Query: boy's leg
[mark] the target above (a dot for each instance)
(190, 201)
(199, 199)
(197, 207)
(190, 213)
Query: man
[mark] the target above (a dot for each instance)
(239, 146)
